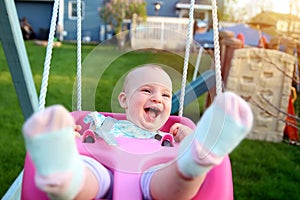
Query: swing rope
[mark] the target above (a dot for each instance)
(78, 55)
(45, 78)
(186, 58)
(217, 53)
(187, 53)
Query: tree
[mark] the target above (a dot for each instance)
(231, 11)
(293, 17)
(114, 12)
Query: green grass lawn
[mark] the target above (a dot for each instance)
(261, 170)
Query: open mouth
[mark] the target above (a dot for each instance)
(152, 112)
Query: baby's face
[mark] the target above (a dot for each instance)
(147, 98)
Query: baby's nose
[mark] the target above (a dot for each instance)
(156, 98)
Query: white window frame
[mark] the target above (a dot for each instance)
(70, 10)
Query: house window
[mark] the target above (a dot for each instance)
(72, 10)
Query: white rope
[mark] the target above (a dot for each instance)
(216, 48)
(43, 91)
(186, 58)
(198, 62)
(78, 55)
(45, 79)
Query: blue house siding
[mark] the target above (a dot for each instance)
(168, 8)
(90, 23)
(37, 13)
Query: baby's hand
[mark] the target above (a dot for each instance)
(77, 128)
(179, 131)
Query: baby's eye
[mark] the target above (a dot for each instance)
(146, 90)
(166, 95)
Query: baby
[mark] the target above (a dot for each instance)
(146, 98)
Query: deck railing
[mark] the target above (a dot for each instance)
(158, 32)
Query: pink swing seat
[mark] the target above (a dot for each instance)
(128, 161)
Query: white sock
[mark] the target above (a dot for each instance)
(50, 140)
(221, 128)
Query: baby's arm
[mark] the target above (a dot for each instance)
(180, 131)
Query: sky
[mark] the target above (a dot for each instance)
(280, 6)
(253, 7)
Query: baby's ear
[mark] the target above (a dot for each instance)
(123, 100)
